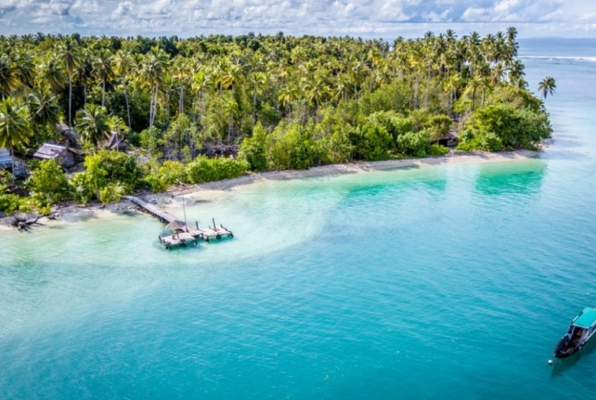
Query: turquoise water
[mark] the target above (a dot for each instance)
(446, 281)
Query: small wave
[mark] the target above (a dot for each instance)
(568, 58)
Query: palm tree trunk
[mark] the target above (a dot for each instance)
(69, 99)
(254, 108)
(103, 93)
(181, 100)
(12, 161)
(127, 106)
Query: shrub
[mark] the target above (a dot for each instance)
(414, 144)
(377, 141)
(111, 193)
(203, 169)
(288, 147)
(254, 149)
(9, 203)
(49, 184)
(491, 142)
(436, 150)
(81, 188)
(107, 167)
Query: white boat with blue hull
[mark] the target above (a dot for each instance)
(581, 330)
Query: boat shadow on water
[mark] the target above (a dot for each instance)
(561, 366)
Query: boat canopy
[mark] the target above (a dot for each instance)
(586, 318)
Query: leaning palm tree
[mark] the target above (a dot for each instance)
(92, 123)
(547, 86)
(15, 129)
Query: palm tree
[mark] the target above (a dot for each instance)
(516, 73)
(44, 108)
(124, 63)
(92, 123)
(257, 82)
(181, 72)
(547, 86)
(51, 73)
(15, 129)
(68, 53)
(102, 66)
(24, 67)
(8, 79)
(152, 75)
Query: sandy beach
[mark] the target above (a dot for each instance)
(207, 191)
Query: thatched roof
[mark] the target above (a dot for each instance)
(61, 154)
(115, 142)
(69, 135)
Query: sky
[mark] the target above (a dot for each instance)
(368, 19)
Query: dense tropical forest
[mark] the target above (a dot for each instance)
(209, 108)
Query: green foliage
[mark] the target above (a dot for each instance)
(414, 144)
(6, 179)
(82, 188)
(254, 149)
(152, 140)
(513, 127)
(288, 147)
(168, 174)
(49, 184)
(439, 125)
(288, 102)
(204, 169)
(9, 203)
(182, 134)
(515, 97)
(92, 124)
(376, 142)
(109, 175)
(436, 150)
(109, 166)
(111, 193)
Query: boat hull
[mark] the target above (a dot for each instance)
(565, 348)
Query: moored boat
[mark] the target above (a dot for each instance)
(581, 329)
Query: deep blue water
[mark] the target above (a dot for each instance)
(450, 281)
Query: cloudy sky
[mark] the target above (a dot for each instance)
(372, 18)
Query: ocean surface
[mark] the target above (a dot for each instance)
(450, 281)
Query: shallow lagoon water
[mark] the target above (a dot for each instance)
(440, 281)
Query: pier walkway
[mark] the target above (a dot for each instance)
(154, 210)
(183, 234)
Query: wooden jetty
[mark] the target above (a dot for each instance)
(154, 210)
(211, 232)
(183, 234)
(181, 239)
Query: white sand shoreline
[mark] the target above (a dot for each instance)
(212, 189)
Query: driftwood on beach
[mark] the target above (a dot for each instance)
(24, 222)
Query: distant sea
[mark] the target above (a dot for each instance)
(451, 281)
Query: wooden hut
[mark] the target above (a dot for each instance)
(115, 142)
(8, 162)
(449, 140)
(69, 137)
(61, 154)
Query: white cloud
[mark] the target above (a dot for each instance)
(324, 17)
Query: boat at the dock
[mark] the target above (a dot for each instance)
(581, 329)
